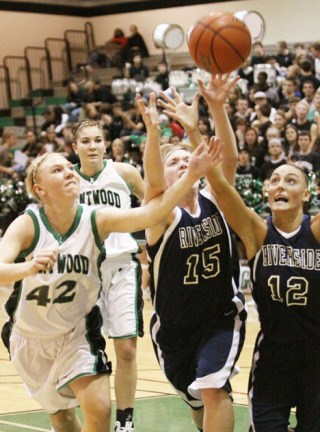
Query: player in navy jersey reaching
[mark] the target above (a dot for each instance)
(53, 344)
(284, 256)
(198, 326)
(104, 183)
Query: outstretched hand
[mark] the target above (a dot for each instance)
(186, 115)
(217, 90)
(205, 157)
(150, 114)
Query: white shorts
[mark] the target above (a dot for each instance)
(47, 364)
(121, 301)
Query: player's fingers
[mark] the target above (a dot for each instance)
(171, 114)
(167, 98)
(165, 105)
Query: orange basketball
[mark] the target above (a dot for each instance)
(219, 43)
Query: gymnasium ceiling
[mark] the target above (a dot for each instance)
(88, 8)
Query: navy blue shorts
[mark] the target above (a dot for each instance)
(199, 358)
(283, 377)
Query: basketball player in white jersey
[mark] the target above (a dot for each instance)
(104, 183)
(55, 341)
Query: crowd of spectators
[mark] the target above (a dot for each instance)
(274, 111)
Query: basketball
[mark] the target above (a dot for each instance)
(219, 42)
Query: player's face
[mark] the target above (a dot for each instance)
(57, 179)
(287, 189)
(175, 165)
(90, 147)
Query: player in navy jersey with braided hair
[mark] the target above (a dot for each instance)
(198, 326)
(284, 256)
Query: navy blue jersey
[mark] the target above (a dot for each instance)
(194, 269)
(285, 275)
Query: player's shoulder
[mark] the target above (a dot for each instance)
(128, 172)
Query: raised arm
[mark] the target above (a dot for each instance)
(16, 239)
(250, 227)
(215, 94)
(111, 219)
(152, 163)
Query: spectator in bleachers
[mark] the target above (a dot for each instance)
(76, 96)
(308, 91)
(258, 54)
(48, 119)
(32, 146)
(302, 123)
(315, 52)
(284, 57)
(245, 167)
(131, 121)
(204, 125)
(240, 126)
(246, 72)
(175, 139)
(59, 118)
(292, 107)
(119, 38)
(51, 142)
(291, 139)
(165, 130)
(298, 49)
(7, 166)
(97, 60)
(307, 73)
(287, 89)
(280, 122)
(263, 112)
(315, 106)
(136, 43)
(277, 158)
(251, 143)
(260, 98)
(242, 111)
(99, 93)
(263, 86)
(162, 76)
(136, 70)
(314, 203)
(234, 94)
(90, 112)
(117, 151)
(307, 158)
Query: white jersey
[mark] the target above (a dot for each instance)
(108, 189)
(55, 302)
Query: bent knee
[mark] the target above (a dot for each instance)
(126, 350)
(214, 394)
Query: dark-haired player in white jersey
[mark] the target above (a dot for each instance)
(104, 183)
(53, 343)
(199, 323)
(284, 256)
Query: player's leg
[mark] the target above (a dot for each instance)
(93, 395)
(215, 367)
(65, 421)
(218, 411)
(197, 417)
(272, 389)
(125, 382)
(308, 404)
(125, 323)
